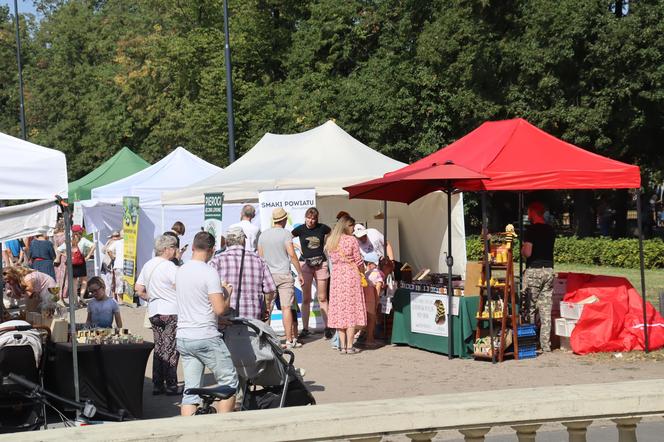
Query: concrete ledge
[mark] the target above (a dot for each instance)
(355, 419)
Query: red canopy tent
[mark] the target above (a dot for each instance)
(514, 155)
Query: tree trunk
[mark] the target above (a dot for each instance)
(584, 212)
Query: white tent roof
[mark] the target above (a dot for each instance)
(31, 171)
(177, 169)
(325, 157)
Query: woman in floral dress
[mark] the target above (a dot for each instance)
(346, 306)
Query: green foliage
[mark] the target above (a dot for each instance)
(594, 252)
(404, 77)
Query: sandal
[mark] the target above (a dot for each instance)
(343, 351)
(353, 351)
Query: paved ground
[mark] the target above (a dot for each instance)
(398, 371)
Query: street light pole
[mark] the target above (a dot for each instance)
(229, 89)
(20, 69)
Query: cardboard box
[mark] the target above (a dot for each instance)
(59, 330)
(565, 326)
(571, 310)
(564, 343)
(473, 273)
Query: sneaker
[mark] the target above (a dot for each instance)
(329, 333)
(293, 344)
(304, 333)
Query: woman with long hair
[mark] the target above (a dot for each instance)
(346, 309)
(38, 289)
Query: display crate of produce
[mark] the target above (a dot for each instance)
(565, 326)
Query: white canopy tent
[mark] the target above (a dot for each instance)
(327, 159)
(31, 172)
(103, 213)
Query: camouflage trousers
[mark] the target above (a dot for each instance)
(539, 282)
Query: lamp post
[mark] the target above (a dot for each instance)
(20, 69)
(229, 89)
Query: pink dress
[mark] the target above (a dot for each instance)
(61, 269)
(346, 307)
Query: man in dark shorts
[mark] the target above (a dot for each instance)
(538, 242)
(312, 235)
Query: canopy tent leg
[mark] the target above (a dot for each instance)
(450, 262)
(520, 241)
(2, 286)
(73, 295)
(641, 266)
(385, 225)
(487, 269)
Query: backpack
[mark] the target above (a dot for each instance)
(77, 258)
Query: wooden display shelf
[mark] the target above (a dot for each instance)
(505, 291)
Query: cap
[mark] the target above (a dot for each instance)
(359, 231)
(235, 233)
(279, 214)
(76, 228)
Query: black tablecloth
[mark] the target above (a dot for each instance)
(110, 375)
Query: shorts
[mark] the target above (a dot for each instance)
(370, 299)
(79, 271)
(285, 288)
(318, 272)
(196, 355)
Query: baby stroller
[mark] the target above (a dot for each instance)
(21, 352)
(267, 371)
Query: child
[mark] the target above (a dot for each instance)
(101, 308)
(376, 280)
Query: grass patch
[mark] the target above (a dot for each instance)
(654, 278)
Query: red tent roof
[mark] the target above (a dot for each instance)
(516, 155)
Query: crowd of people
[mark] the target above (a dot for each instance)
(189, 304)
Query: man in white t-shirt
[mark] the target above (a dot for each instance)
(251, 231)
(200, 299)
(371, 240)
(156, 285)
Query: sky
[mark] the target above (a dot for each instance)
(24, 6)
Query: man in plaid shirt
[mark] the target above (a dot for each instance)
(257, 280)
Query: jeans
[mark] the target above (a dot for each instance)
(197, 354)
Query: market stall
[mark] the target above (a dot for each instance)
(514, 155)
(427, 334)
(111, 375)
(327, 158)
(103, 212)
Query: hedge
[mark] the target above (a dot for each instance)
(594, 251)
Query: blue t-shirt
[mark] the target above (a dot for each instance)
(15, 246)
(101, 312)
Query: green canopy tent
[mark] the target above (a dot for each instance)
(121, 165)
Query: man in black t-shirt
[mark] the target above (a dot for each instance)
(312, 235)
(538, 242)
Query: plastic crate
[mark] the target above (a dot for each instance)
(526, 330)
(527, 354)
(527, 347)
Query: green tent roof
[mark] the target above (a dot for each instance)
(120, 165)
